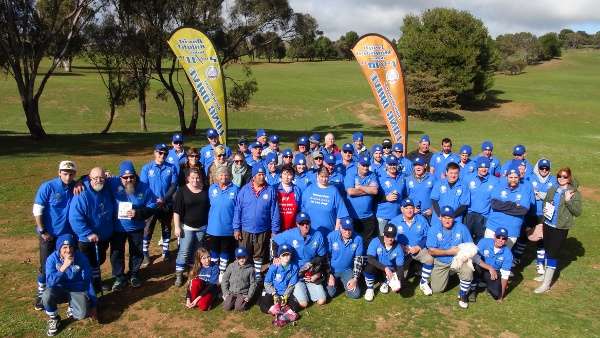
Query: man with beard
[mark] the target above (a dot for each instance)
(91, 217)
(135, 203)
(50, 210)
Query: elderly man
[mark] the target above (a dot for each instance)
(422, 151)
(255, 158)
(361, 186)
(442, 242)
(309, 250)
(162, 178)
(439, 161)
(69, 276)
(256, 217)
(272, 148)
(419, 185)
(50, 211)
(345, 259)
(135, 203)
(480, 185)
(91, 217)
(207, 153)
(177, 154)
(330, 147)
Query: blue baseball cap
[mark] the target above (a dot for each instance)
(348, 147)
(513, 168)
(302, 217)
(299, 159)
(260, 133)
(287, 152)
(544, 163)
(419, 161)
(271, 158)
(482, 162)
(257, 145)
(303, 141)
(258, 169)
(447, 211)
(466, 149)
(315, 138)
(329, 159)
(347, 223)
(501, 232)
(126, 168)
(391, 160)
(241, 252)
(66, 239)
(376, 147)
(177, 138)
(407, 202)
(364, 160)
(274, 138)
(424, 138)
(487, 145)
(519, 150)
(161, 146)
(211, 132)
(357, 136)
(398, 147)
(283, 250)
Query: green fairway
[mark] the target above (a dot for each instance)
(550, 108)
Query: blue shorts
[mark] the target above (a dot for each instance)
(302, 291)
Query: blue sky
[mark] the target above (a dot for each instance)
(336, 17)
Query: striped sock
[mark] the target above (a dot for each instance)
(474, 283)
(179, 267)
(425, 273)
(541, 252)
(223, 259)
(96, 272)
(551, 263)
(519, 248)
(464, 287)
(41, 286)
(214, 257)
(369, 280)
(52, 313)
(145, 244)
(257, 268)
(166, 240)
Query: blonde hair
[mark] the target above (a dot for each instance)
(201, 253)
(219, 150)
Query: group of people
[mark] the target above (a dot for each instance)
(320, 216)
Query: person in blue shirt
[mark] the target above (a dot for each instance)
(450, 191)
(377, 161)
(273, 174)
(261, 137)
(439, 161)
(91, 217)
(405, 166)
(302, 176)
(69, 277)
(466, 164)
(324, 203)
(308, 248)
(273, 148)
(418, 187)
(345, 252)
(385, 260)
(361, 187)
(386, 147)
(162, 178)
(492, 265)
(336, 179)
(256, 218)
(346, 159)
(519, 153)
(207, 153)
(287, 156)
(412, 232)
(255, 158)
(391, 191)
(480, 185)
(486, 151)
(50, 211)
(177, 154)
(359, 148)
(134, 203)
(315, 143)
(243, 147)
(442, 242)
(280, 282)
(510, 202)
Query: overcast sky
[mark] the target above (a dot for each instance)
(336, 17)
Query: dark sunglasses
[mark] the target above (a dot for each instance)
(387, 147)
(128, 178)
(318, 158)
(566, 177)
(222, 155)
(544, 168)
(178, 142)
(193, 156)
(162, 153)
(348, 151)
(238, 161)
(501, 237)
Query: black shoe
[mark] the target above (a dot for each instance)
(118, 286)
(53, 325)
(106, 287)
(135, 282)
(473, 296)
(166, 256)
(38, 304)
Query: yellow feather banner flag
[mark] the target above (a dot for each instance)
(379, 61)
(198, 57)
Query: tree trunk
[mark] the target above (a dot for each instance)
(34, 123)
(110, 120)
(67, 65)
(142, 102)
(194, 122)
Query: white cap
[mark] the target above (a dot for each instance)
(67, 165)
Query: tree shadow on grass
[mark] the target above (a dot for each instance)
(492, 101)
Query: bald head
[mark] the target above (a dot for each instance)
(97, 178)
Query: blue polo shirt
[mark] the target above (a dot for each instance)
(443, 239)
(537, 184)
(252, 162)
(411, 234)
(341, 255)
(506, 165)
(272, 178)
(500, 260)
(466, 169)
(281, 277)
(302, 181)
(91, 212)
(176, 159)
(304, 249)
(520, 195)
(359, 207)
(391, 258)
(405, 166)
(324, 206)
(222, 204)
(56, 198)
(337, 180)
(141, 197)
(456, 196)
(480, 191)
(439, 162)
(388, 185)
(495, 165)
(420, 190)
(159, 178)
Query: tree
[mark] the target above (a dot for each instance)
(563, 34)
(595, 39)
(305, 31)
(427, 95)
(521, 46)
(324, 48)
(452, 46)
(268, 45)
(575, 40)
(28, 30)
(345, 43)
(551, 46)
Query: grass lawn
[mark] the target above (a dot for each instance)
(550, 108)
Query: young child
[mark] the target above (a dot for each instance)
(238, 282)
(203, 278)
(279, 283)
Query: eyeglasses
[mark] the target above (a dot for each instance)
(566, 177)
(318, 158)
(347, 151)
(222, 155)
(128, 178)
(303, 224)
(243, 144)
(238, 161)
(99, 178)
(501, 237)
(387, 147)
(193, 156)
(545, 168)
(162, 153)
(178, 142)
(290, 156)
(398, 151)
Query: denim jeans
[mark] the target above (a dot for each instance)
(189, 242)
(344, 277)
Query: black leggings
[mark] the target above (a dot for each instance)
(553, 239)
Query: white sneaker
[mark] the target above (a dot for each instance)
(369, 295)
(384, 288)
(463, 301)
(426, 289)
(160, 242)
(540, 269)
(221, 277)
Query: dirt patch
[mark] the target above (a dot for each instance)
(366, 116)
(590, 193)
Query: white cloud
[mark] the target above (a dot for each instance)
(336, 17)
